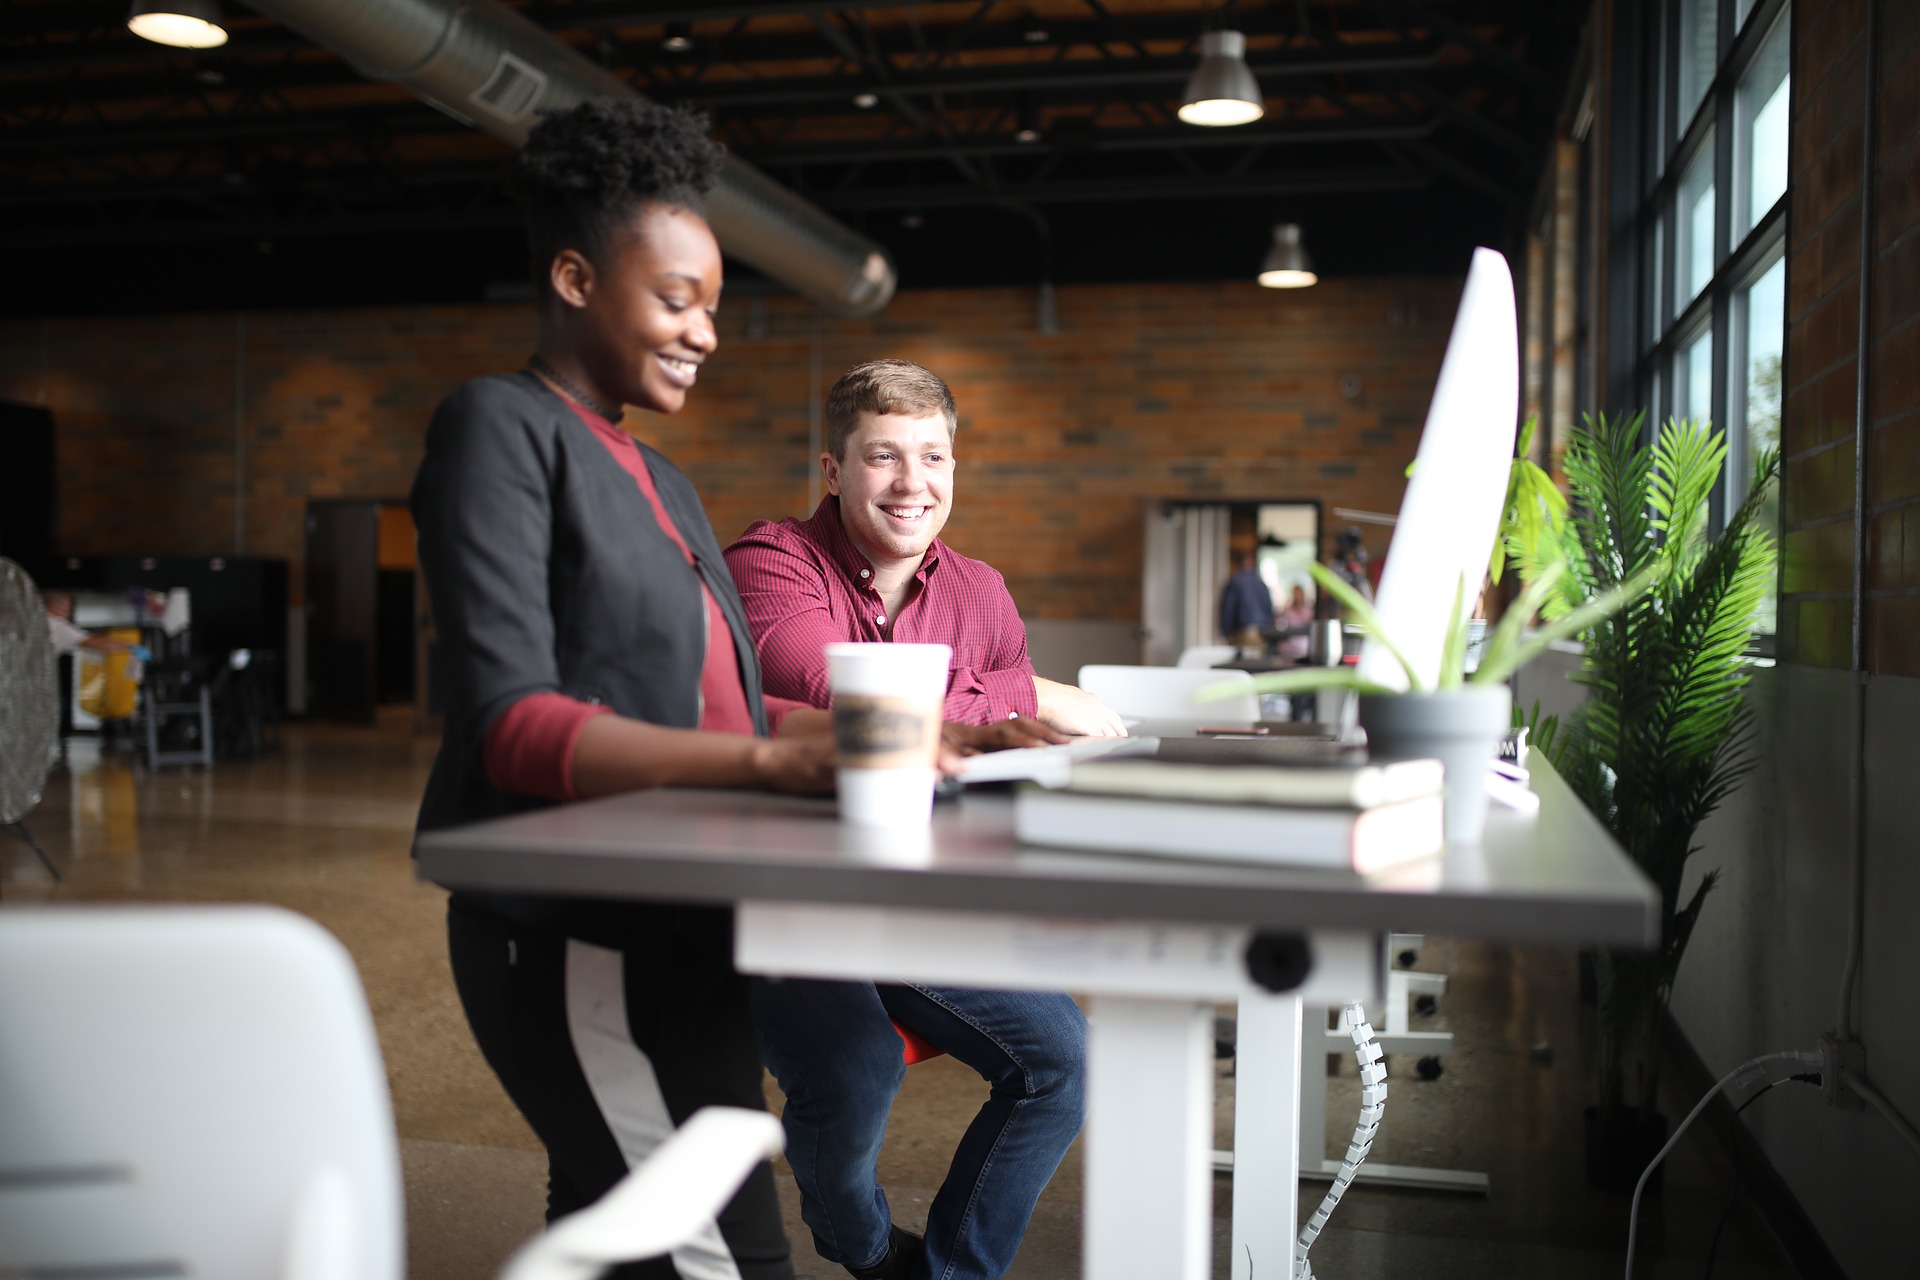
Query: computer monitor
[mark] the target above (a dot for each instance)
(1452, 506)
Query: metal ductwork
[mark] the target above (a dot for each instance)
(486, 65)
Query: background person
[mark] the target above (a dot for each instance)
(1246, 606)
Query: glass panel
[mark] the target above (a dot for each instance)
(1760, 134)
(1766, 307)
(1656, 281)
(1741, 8)
(1693, 228)
(1657, 109)
(1693, 379)
(1699, 54)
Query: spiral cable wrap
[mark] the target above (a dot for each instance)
(1373, 1105)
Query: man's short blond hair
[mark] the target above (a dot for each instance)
(882, 387)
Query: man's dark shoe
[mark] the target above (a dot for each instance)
(903, 1251)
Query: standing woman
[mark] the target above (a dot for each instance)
(594, 643)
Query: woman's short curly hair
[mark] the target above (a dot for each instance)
(589, 168)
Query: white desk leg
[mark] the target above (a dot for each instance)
(1266, 1143)
(1149, 1175)
(1312, 1144)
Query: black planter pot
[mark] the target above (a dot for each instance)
(1617, 1153)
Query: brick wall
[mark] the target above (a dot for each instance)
(1152, 391)
(1823, 300)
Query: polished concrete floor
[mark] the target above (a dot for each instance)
(321, 825)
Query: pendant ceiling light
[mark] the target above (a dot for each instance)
(1222, 90)
(1287, 265)
(185, 24)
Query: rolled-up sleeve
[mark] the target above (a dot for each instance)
(530, 746)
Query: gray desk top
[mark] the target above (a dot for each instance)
(1557, 877)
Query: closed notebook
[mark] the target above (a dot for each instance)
(1331, 784)
(1362, 840)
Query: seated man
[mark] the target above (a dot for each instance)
(868, 565)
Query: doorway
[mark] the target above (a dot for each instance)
(1189, 549)
(361, 592)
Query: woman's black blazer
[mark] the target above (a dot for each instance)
(549, 573)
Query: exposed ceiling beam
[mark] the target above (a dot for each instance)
(1090, 191)
(1068, 77)
(1472, 41)
(1108, 141)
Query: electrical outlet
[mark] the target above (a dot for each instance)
(1838, 1057)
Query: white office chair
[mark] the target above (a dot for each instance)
(198, 1091)
(1167, 693)
(1206, 655)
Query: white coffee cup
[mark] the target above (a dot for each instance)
(887, 704)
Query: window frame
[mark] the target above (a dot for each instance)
(1663, 331)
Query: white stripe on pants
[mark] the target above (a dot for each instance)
(624, 1086)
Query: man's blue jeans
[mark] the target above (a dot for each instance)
(832, 1047)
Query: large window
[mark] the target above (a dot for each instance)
(1712, 226)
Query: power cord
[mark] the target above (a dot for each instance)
(1733, 1197)
(1373, 1105)
(1744, 1074)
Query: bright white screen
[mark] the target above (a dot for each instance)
(1452, 507)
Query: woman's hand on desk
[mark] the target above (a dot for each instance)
(801, 763)
(614, 754)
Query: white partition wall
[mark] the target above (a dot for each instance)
(1182, 573)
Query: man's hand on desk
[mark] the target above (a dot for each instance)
(959, 740)
(1074, 710)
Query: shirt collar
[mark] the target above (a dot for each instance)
(828, 531)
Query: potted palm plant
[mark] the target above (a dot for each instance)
(1665, 733)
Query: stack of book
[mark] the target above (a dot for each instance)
(1334, 809)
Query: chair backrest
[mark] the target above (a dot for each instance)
(1167, 693)
(194, 1087)
(1206, 655)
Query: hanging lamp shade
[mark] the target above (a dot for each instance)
(184, 24)
(1287, 266)
(1222, 90)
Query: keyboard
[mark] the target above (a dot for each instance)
(1049, 765)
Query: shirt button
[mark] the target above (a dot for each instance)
(880, 620)
(866, 573)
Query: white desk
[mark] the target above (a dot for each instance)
(1154, 943)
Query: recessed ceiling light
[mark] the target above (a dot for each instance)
(184, 24)
(866, 101)
(1222, 90)
(912, 221)
(1034, 35)
(210, 75)
(679, 38)
(1027, 137)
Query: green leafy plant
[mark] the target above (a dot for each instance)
(1531, 521)
(1535, 507)
(1507, 648)
(1665, 733)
